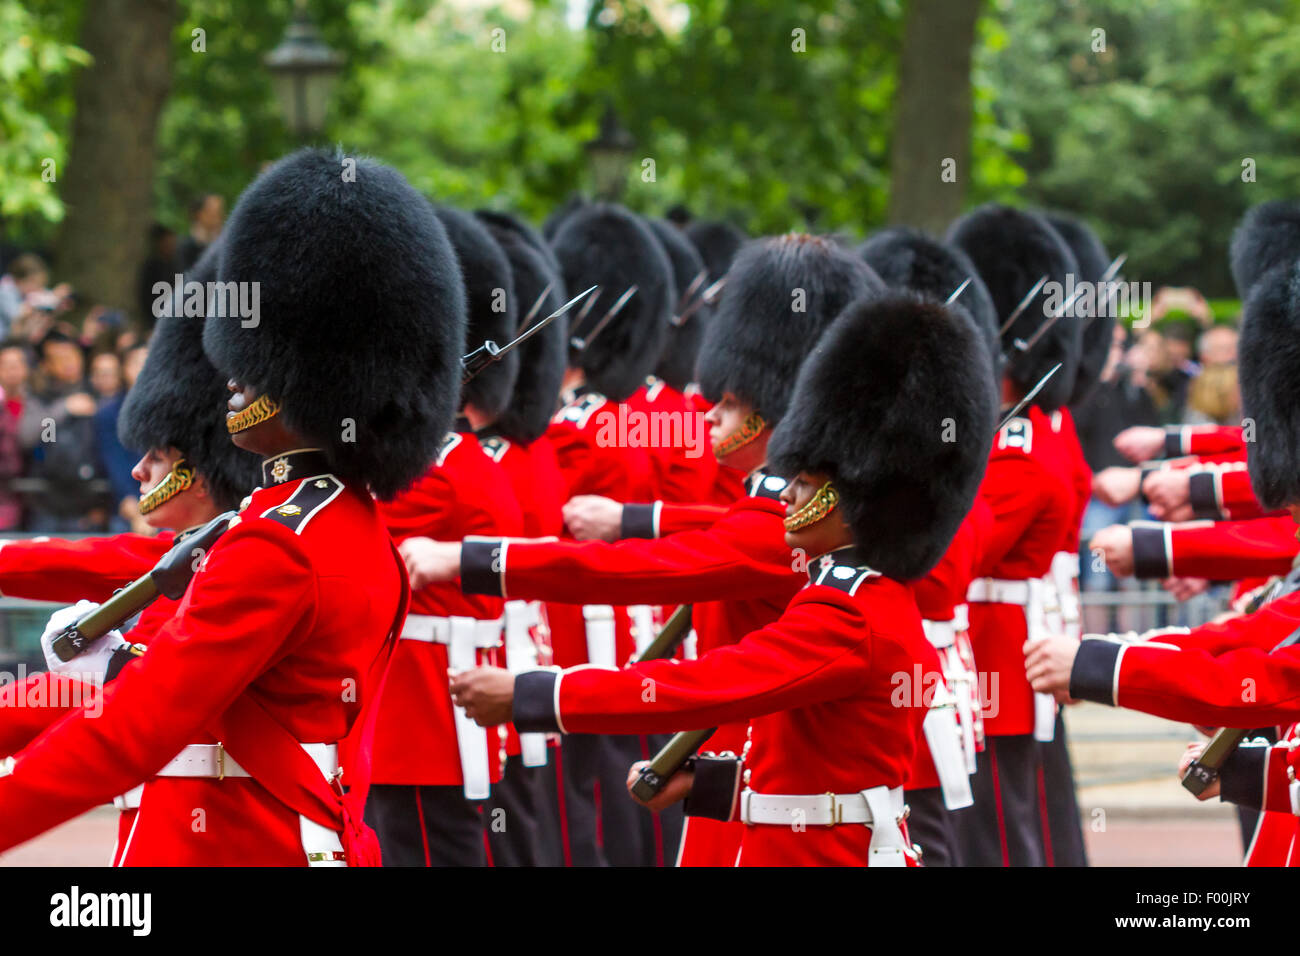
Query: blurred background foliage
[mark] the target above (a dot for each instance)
(1146, 138)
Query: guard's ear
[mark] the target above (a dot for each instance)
(199, 487)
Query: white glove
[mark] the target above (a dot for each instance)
(89, 666)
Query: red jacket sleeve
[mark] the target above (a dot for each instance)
(254, 599)
(1220, 550)
(1222, 675)
(66, 571)
(817, 651)
(1202, 440)
(744, 555)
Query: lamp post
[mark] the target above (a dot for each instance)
(303, 70)
(609, 154)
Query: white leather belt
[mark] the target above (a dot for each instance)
(321, 845)
(520, 618)
(941, 634)
(601, 648)
(998, 591)
(881, 808)
(643, 625)
(212, 761)
(437, 630)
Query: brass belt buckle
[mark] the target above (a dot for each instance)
(221, 761)
(837, 811)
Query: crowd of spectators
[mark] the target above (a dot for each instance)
(65, 368)
(1180, 369)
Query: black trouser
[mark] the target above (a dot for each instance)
(930, 825)
(1004, 827)
(514, 816)
(426, 826)
(633, 835)
(570, 799)
(1061, 802)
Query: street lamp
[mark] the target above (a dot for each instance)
(303, 70)
(610, 153)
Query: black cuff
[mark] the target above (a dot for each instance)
(639, 521)
(1150, 559)
(1093, 675)
(1200, 491)
(121, 657)
(534, 707)
(714, 789)
(482, 566)
(1241, 778)
(1174, 441)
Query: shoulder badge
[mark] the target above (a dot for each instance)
(763, 485)
(312, 495)
(841, 575)
(450, 441)
(1017, 433)
(580, 410)
(495, 447)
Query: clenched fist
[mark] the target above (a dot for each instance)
(486, 693)
(1116, 545)
(1140, 443)
(1169, 491)
(593, 518)
(1048, 664)
(1116, 486)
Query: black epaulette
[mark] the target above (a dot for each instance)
(1017, 433)
(495, 447)
(312, 495)
(449, 441)
(763, 485)
(841, 571)
(580, 409)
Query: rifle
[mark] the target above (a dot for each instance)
(169, 577)
(670, 635)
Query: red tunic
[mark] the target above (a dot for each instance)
(820, 688)
(1033, 512)
(291, 617)
(677, 442)
(463, 493)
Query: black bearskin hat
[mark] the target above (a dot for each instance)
(718, 243)
(677, 363)
(542, 358)
(490, 299)
(499, 222)
(607, 246)
(1098, 329)
(1270, 386)
(909, 259)
(551, 225)
(1267, 236)
(781, 294)
(1011, 249)
(179, 401)
(897, 404)
(362, 313)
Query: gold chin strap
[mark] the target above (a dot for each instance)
(749, 429)
(262, 409)
(819, 506)
(178, 479)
